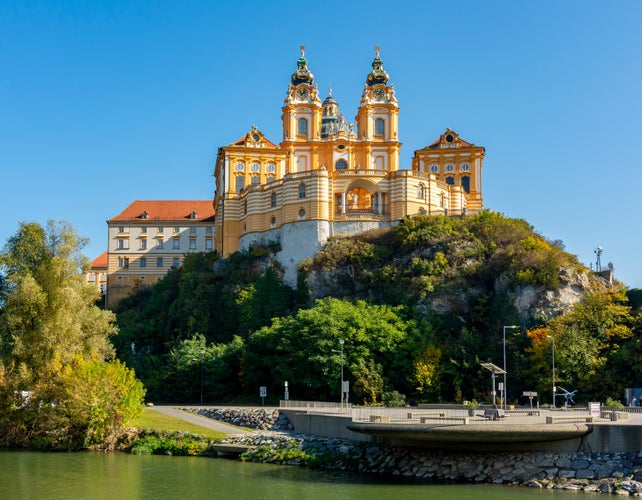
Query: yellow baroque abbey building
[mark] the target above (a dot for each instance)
(329, 176)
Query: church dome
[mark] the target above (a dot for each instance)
(378, 75)
(302, 73)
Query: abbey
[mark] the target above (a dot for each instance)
(329, 176)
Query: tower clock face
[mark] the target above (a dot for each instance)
(379, 94)
(302, 93)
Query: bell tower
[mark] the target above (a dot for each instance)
(378, 119)
(302, 115)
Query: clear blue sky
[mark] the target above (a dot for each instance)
(102, 103)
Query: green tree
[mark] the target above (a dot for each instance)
(52, 338)
(304, 349)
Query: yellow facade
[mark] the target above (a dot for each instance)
(336, 172)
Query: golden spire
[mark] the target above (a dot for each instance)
(302, 50)
(377, 50)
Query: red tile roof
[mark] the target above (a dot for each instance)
(167, 210)
(100, 261)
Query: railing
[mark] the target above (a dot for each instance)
(361, 172)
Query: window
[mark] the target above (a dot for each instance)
(143, 244)
(270, 178)
(420, 192)
(302, 190)
(240, 183)
(255, 167)
(143, 229)
(450, 167)
(192, 230)
(256, 180)
(434, 169)
(441, 199)
(192, 244)
(270, 168)
(177, 229)
(379, 126)
(301, 213)
(176, 244)
(209, 230)
(341, 165)
(159, 262)
(450, 180)
(121, 244)
(176, 262)
(143, 262)
(465, 167)
(159, 244)
(123, 262)
(465, 183)
(208, 244)
(302, 126)
(273, 200)
(121, 229)
(160, 229)
(239, 167)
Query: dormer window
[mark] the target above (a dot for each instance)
(192, 215)
(144, 215)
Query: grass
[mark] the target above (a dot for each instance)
(151, 419)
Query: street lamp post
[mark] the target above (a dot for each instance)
(202, 352)
(504, 345)
(341, 342)
(553, 348)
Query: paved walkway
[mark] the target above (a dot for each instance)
(200, 420)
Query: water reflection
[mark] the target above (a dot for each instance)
(115, 476)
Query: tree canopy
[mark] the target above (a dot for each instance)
(51, 333)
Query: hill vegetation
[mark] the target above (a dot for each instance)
(419, 307)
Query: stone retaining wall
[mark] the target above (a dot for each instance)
(619, 473)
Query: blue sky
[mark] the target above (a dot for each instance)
(102, 103)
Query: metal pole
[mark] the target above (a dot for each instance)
(341, 342)
(553, 348)
(504, 344)
(202, 352)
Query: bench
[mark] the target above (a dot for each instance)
(569, 418)
(426, 414)
(384, 419)
(494, 413)
(461, 420)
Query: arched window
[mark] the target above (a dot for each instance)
(240, 183)
(341, 165)
(302, 126)
(273, 200)
(302, 190)
(465, 183)
(379, 163)
(441, 200)
(379, 126)
(450, 180)
(256, 180)
(420, 192)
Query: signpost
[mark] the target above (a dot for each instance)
(530, 395)
(263, 394)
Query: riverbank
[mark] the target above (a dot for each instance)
(617, 473)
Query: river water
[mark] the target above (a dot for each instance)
(116, 476)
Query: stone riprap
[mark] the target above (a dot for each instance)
(260, 419)
(619, 473)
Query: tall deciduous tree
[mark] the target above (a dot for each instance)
(50, 329)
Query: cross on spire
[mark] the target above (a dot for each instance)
(302, 50)
(377, 50)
